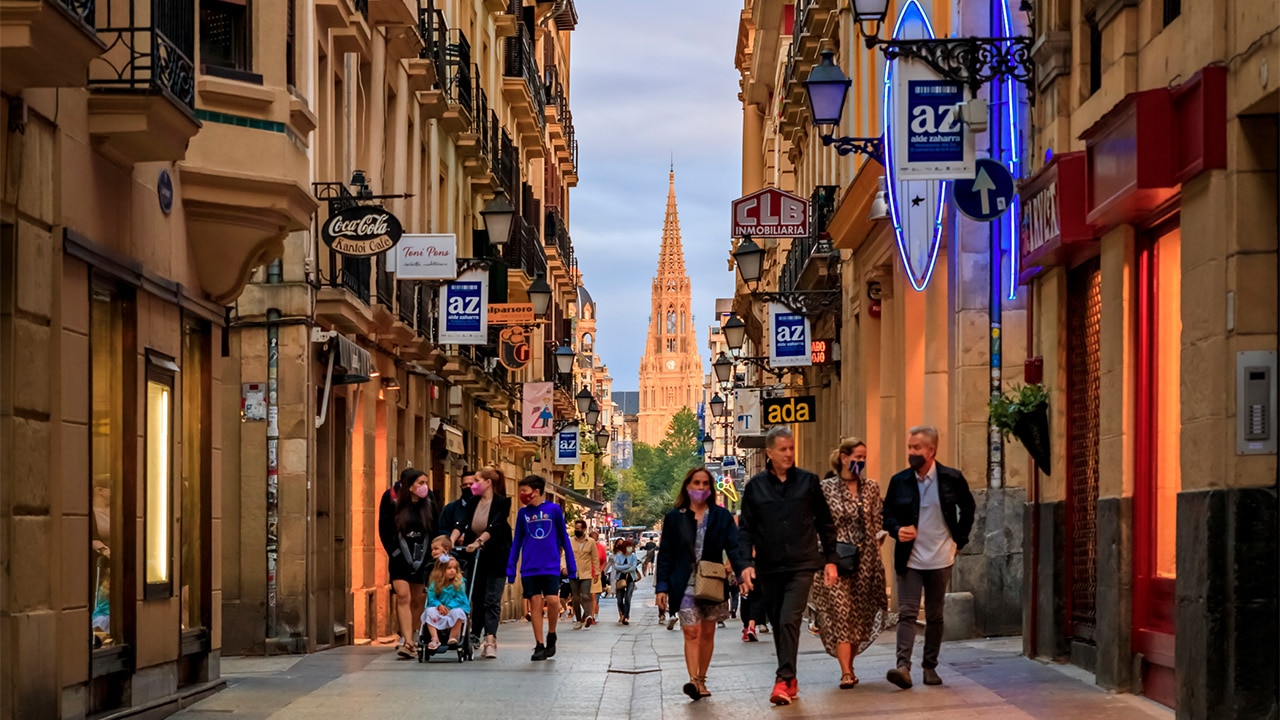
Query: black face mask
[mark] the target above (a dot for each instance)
(578, 534)
(916, 462)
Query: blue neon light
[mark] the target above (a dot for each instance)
(910, 11)
(1013, 158)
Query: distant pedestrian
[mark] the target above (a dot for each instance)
(787, 523)
(597, 583)
(486, 528)
(929, 511)
(588, 561)
(626, 569)
(650, 555)
(541, 539)
(447, 603)
(415, 525)
(697, 537)
(851, 613)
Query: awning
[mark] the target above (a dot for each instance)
(351, 363)
(577, 497)
(452, 436)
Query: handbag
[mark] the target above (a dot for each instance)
(847, 557)
(709, 583)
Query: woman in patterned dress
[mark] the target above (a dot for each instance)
(852, 612)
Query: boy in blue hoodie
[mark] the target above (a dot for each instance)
(541, 538)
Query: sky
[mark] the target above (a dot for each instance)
(650, 81)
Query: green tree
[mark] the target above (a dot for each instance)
(650, 487)
(608, 484)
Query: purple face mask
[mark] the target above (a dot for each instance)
(699, 496)
(421, 490)
(477, 489)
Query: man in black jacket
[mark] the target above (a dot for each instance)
(929, 511)
(786, 521)
(457, 512)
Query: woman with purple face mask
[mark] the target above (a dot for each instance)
(698, 529)
(410, 559)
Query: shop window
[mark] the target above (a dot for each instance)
(158, 475)
(224, 35)
(195, 471)
(1168, 407)
(107, 553)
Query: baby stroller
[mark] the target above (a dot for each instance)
(466, 643)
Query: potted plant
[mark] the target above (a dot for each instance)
(1024, 413)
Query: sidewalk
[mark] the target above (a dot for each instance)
(612, 671)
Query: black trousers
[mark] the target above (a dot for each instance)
(785, 597)
(486, 603)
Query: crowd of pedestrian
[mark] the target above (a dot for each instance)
(798, 543)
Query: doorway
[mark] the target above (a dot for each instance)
(1157, 456)
(332, 595)
(1084, 318)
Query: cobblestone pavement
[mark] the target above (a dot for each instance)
(636, 671)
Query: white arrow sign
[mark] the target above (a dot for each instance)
(983, 185)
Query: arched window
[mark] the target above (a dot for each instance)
(586, 341)
(671, 323)
(684, 325)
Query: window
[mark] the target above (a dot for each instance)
(158, 474)
(1172, 9)
(224, 34)
(1095, 54)
(107, 552)
(671, 322)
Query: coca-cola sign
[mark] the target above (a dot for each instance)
(361, 230)
(427, 257)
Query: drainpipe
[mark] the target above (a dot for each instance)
(274, 273)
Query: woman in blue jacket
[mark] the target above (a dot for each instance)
(697, 529)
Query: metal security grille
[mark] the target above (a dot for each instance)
(1084, 312)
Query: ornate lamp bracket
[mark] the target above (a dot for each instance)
(972, 61)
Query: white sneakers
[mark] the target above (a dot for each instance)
(489, 649)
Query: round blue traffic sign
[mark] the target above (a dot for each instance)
(988, 194)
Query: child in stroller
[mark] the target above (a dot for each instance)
(447, 603)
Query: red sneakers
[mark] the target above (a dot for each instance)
(794, 688)
(781, 693)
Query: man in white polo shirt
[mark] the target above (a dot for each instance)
(928, 509)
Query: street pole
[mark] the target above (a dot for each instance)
(273, 461)
(995, 456)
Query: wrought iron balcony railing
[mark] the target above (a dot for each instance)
(435, 35)
(351, 273)
(555, 234)
(508, 164)
(519, 62)
(556, 98)
(386, 284)
(822, 204)
(426, 302)
(524, 249)
(150, 46)
(407, 302)
(83, 10)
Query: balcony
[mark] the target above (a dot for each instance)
(523, 254)
(389, 12)
(343, 298)
(560, 258)
(458, 84)
(569, 162)
(557, 109)
(523, 90)
(815, 21)
(46, 43)
(508, 164)
(810, 261)
(142, 108)
(478, 147)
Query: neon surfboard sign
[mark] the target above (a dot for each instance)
(915, 206)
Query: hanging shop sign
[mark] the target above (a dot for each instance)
(464, 316)
(821, 352)
(567, 445)
(786, 410)
(584, 478)
(938, 146)
(770, 213)
(362, 230)
(514, 350)
(1053, 228)
(427, 257)
(789, 338)
(511, 314)
(538, 411)
(746, 418)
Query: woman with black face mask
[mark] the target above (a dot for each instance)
(851, 613)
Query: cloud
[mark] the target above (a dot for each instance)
(651, 80)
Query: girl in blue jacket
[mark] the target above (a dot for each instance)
(447, 603)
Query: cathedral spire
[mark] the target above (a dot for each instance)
(671, 257)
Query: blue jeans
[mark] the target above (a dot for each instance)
(624, 599)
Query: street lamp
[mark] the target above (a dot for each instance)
(497, 214)
(583, 398)
(564, 358)
(539, 295)
(717, 406)
(872, 11)
(749, 257)
(723, 368)
(735, 332)
(708, 444)
(602, 437)
(827, 87)
(593, 412)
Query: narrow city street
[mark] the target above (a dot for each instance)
(612, 671)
